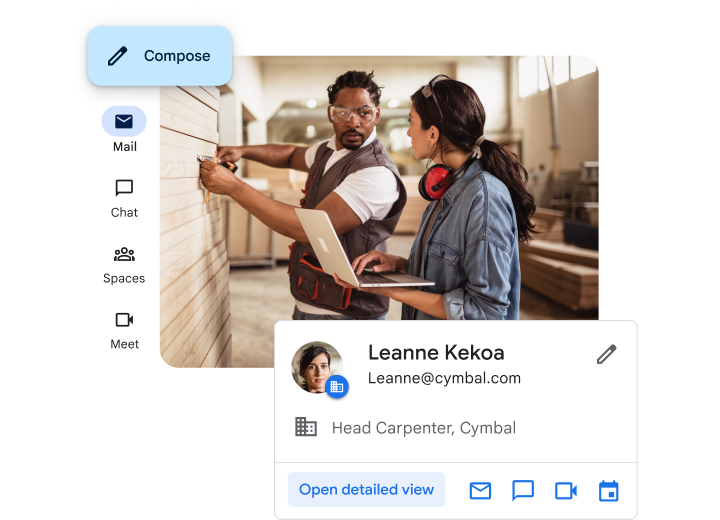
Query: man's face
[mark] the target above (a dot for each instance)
(351, 134)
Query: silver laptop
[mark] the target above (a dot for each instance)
(331, 255)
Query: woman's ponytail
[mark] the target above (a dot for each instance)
(506, 166)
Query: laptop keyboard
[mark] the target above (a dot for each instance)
(373, 278)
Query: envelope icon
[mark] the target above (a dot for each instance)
(123, 120)
(480, 490)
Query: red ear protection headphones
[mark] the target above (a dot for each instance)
(438, 179)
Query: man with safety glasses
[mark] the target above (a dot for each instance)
(351, 177)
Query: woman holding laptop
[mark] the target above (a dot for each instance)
(480, 211)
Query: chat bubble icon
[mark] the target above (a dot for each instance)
(123, 186)
(523, 489)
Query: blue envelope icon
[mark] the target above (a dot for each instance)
(480, 490)
(123, 120)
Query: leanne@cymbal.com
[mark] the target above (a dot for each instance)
(463, 420)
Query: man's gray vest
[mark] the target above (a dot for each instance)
(308, 282)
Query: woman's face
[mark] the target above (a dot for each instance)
(423, 141)
(317, 373)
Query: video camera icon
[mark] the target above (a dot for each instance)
(565, 490)
(123, 319)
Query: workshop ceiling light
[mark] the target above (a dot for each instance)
(311, 103)
(393, 103)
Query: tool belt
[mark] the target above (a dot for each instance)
(320, 287)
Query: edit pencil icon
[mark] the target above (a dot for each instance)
(115, 57)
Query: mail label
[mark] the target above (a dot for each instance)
(123, 121)
(480, 490)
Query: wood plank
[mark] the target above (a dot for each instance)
(176, 107)
(186, 142)
(172, 292)
(190, 285)
(173, 187)
(213, 91)
(180, 328)
(531, 274)
(178, 353)
(575, 273)
(226, 357)
(174, 263)
(195, 348)
(566, 252)
(178, 169)
(200, 228)
(186, 98)
(180, 124)
(218, 346)
(559, 296)
(178, 218)
(204, 96)
(186, 200)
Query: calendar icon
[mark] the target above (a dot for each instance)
(336, 387)
(609, 491)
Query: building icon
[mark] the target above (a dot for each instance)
(335, 387)
(305, 428)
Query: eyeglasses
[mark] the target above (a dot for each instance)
(428, 91)
(363, 114)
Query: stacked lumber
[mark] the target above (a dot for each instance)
(412, 214)
(549, 225)
(565, 252)
(194, 271)
(566, 274)
(279, 179)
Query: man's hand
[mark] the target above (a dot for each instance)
(229, 154)
(216, 178)
(390, 292)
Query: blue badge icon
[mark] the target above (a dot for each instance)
(336, 387)
(123, 120)
(565, 490)
(609, 491)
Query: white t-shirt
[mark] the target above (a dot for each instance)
(370, 193)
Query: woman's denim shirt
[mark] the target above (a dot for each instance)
(472, 251)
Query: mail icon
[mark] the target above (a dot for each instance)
(480, 491)
(123, 120)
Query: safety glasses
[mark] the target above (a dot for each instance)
(363, 114)
(428, 91)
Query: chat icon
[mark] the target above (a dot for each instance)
(123, 186)
(523, 489)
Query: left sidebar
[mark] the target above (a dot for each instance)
(123, 162)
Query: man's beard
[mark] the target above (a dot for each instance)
(352, 146)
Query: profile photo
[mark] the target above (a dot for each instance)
(313, 364)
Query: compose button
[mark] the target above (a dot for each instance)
(154, 56)
(366, 489)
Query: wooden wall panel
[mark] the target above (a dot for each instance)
(201, 94)
(226, 355)
(178, 218)
(194, 270)
(218, 345)
(178, 296)
(186, 126)
(177, 260)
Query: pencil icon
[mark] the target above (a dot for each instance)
(207, 197)
(606, 354)
(115, 57)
